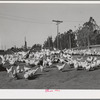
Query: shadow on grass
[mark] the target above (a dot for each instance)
(2, 68)
(47, 70)
(67, 70)
(34, 77)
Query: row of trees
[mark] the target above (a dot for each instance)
(86, 35)
(66, 40)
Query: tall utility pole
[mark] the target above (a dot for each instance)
(69, 41)
(60, 42)
(57, 23)
(25, 45)
(5, 47)
(48, 42)
(70, 32)
(88, 41)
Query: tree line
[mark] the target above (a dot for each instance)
(86, 35)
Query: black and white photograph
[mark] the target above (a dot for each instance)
(49, 46)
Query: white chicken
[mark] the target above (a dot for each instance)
(75, 64)
(98, 62)
(88, 67)
(10, 72)
(26, 68)
(30, 73)
(60, 67)
(41, 67)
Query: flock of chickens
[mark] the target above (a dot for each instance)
(19, 66)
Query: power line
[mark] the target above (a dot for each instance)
(17, 16)
(21, 19)
(72, 21)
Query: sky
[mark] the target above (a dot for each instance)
(35, 21)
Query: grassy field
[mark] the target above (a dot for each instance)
(51, 78)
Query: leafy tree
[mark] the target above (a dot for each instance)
(36, 47)
(88, 34)
(48, 44)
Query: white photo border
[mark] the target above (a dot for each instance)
(41, 93)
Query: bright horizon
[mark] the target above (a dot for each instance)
(35, 21)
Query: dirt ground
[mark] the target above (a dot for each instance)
(51, 78)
